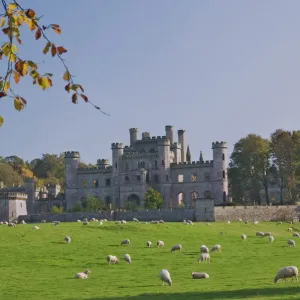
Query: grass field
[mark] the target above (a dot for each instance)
(38, 265)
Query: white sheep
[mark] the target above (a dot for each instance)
(160, 244)
(204, 249)
(259, 233)
(271, 239)
(148, 244)
(104, 220)
(291, 243)
(43, 221)
(123, 222)
(1, 223)
(208, 224)
(176, 247)
(125, 242)
(287, 272)
(56, 223)
(36, 227)
(296, 234)
(204, 257)
(243, 237)
(165, 277)
(190, 222)
(67, 239)
(127, 258)
(240, 220)
(197, 275)
(186, 223)
(79, 221)
(92, 220)
(290, 229)
(135, 220)
(267, 234)
(112, 259)
(100, 223)
(216, 247)
(161, 221)
(228, 222)
(85, 223)
(255, 222)
(154, 222)
(23, 222)
(82, 275)
(144, 223)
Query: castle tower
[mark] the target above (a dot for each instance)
(117, 152)
(30, 191)
(102, 163)
(188, 154)
(133, 135)
(181, 140)
(169, 133)
(219, 173)
(71, 165)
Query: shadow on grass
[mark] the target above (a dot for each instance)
(59, 243)
(214, 295)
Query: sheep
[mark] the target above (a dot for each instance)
(144, 223)
(5, 223)
(127, 258)
(118, 222)
(259, 233)
(125, 242)
(278, 223)
(92, 220)
(100, 223)
(85, 223)
(104, 220)
(85, 220)
(290, 229)
(11, 225)
(208, 224)
(161, 221)
(1, 223)
(296, 234)
(154, 222)
(23, 222)
(160, 244)
(243, 237)
(165, 277)
(55, 223)
(216, 247)
(123, 222)
(148, 244)
(186, 223)
(271, 239)
(67, 239)
(291, 243)
(240, 220)
(36, 227)
(111, 259)
(43, 221)
(267, 234)
(82, 275)
(176, 247)
(255, 222)
(190, 222)
(204, 249)
(204, 257)
(287, 272)
(228, 222)
(197, 275)
(135, 220)
(79, 221)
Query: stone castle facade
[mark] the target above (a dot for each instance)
(157, 162)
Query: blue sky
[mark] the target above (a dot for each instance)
(218, 69)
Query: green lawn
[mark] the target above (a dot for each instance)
(38, 265)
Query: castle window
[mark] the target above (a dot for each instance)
(147, 178)
(223, 156)
(107, 182)
(194, 177)
(95, 183)
(156, 178)
(163, 163)
(180, 177)
(126, 167)
(206, 177)
(126, 178)
(138, 178)
(155, 163)
(167, 177)
(224, 196)
(83, 183)
(224, 174)
(21, 204)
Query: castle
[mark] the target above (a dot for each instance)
(157, 162)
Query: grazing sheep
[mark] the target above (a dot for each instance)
(186, 223)
(271, 239)
(176, 247)
(123, 222)
(127, 258)
(204, 249)
(85, 223)
(287, 272)
(92, 220)
(43, 221)
(160, 244)
(154, 222)
(56, 223)
(255, 222)
(23, 222)
(267, 234)
(296, 234)
(67, 239)
(135, 220)
(1, 223)
(190, 222)
(112, 259)
(118, 222)
(144, 223)
(208, 224)
(243, 237)
(161, 221)
(36, 227)
(216, 247)
(240, 220)
(82, 275)
(104, 220)
(259, 233)
(291, 243)
(278, 223)
(197, 275)
(204, 257)
(228, 222)
(5, 223)
(165, 277)
(148, 244)
(100, 223)
(125, 242)
(79, 221)
(290, 229)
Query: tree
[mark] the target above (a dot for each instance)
(93, 204)
(250, 164)
(57, 210)
(14, 17)
(153, 199)
(9, 176)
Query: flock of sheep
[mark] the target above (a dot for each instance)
(164, 275)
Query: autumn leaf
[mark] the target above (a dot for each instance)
(34, 74)
(47, 47)
(31, 24)
(32, 65)
(1, 121)
(74, 98)
(67, 87)
(24, 69)
(53, 50)
(43, 83)
(61, 50)
(30, 13)
(38, 34)
(16, 77)
(6, 86)
(18, 104)
(2, 22)
(49, 80)
(66, 76)
(23, 100)
(19, 66)
(80, 86)
(2, 94)
(10, 8)
(5, 30)
(56, 28)
(84, 97)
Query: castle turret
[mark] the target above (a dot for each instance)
(181, 140)
(117, 152)
(169, 133)
(102, 163)
(219, 173)
(146, 135)
(188, 154)
(71, 166)
(133, 135)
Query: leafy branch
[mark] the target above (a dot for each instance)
(13, 18)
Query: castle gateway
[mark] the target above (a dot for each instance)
(156, 162)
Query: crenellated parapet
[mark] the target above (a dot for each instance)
(102, 163)
(72, 154)
(218, 144)
(117, 146)
(193, 164)
(95, 170)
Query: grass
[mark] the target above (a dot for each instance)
(37, 264)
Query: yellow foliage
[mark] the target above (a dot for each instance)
(66, 76)
(6, 86)
(2, 22)
(18, 104)
(25, 172)
(1, 121)
(43, 83)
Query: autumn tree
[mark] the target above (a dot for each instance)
(249, 167)
(153, 199)
(9, 176)
(19, 165)
(13, 18)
